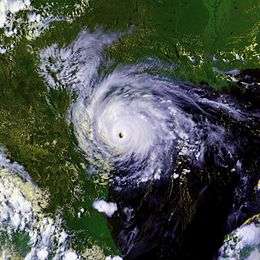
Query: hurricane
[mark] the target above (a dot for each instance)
(155, 131)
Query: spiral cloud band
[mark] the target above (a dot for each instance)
(138, 122)
(170, 145)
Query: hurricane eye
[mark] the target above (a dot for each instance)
(120, 135)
